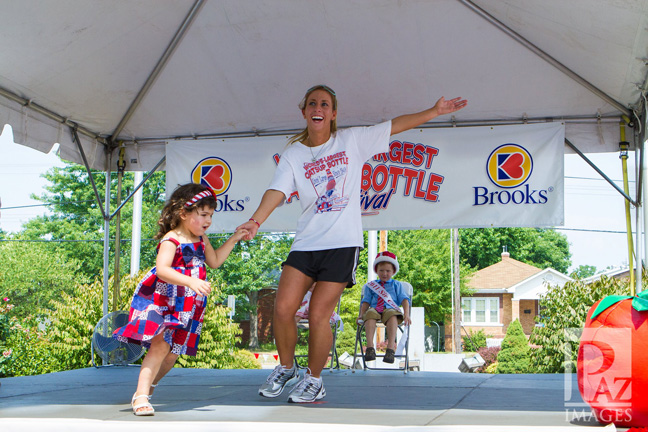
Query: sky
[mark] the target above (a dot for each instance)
(594, 211)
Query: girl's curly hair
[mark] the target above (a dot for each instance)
(174, 207)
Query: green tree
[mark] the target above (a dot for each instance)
(31, 275)
(252, 266)
(24, 351)
(515, 355)
(424, 259)
(482, 247)
(218, 340)
(563, 313)
(473, 341)
(584, 271)
(75, 224)
(71, 324)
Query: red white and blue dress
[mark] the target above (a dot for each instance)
(173, 310)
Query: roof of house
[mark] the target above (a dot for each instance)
(503, 274)
(616, 273)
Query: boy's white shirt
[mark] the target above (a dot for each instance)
(330, 188)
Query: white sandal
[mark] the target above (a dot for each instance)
(146, 404)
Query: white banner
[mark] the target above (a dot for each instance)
(492, 176)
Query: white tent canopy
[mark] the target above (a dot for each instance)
(146, 71)
(141, 73)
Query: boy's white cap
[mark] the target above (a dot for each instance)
(386, 256)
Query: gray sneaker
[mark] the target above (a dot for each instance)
(278, 380)
(309, 389)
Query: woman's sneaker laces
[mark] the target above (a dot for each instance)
(278, 380)
(309, 389)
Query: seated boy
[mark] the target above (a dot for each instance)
(380, 300)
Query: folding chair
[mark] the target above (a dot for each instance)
(336, 327)
(403, 330)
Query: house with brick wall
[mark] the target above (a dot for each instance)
(504, 292)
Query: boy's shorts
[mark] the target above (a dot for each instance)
(330, 265)
(372, 313)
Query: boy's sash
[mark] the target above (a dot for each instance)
(382, 292)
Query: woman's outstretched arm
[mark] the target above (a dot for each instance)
(442, 106)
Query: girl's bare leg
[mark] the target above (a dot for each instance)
(167, 365)
(150, 368)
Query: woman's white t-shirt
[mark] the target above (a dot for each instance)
(329, 187)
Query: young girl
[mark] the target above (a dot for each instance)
(167, 310)
(324, 165)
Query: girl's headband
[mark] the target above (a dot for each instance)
(198, 197)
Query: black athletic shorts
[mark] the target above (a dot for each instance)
(331, 265)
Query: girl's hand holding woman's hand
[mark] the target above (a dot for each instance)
(250, 228)
(240, 234)
(200, 286)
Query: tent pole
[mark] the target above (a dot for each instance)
(640, 222)
(456, 316)
(623, 155)
(640, 137)
(549, 59)
(640, 253)
(372, 251)
(106, 249)
(105, 211)
(452, 294)
(121, 164)
(136, 234)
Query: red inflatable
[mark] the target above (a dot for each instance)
(613, 360)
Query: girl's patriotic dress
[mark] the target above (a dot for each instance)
(174, 310)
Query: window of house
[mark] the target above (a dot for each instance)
(480, 310)
(541, 314)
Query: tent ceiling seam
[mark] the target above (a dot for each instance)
(547, 57)
(161, 64)
(437, 125)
